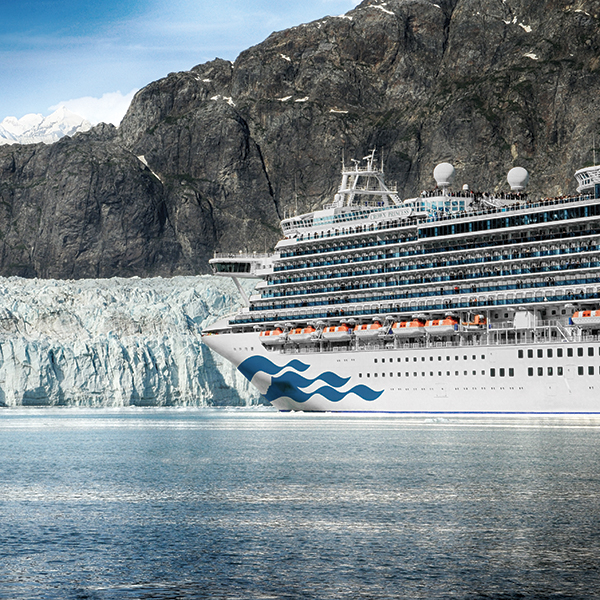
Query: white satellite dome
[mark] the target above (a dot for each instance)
(444, 174)
(517, 178)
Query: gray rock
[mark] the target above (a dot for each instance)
(231, 148)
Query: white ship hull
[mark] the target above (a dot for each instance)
(467, 379)
(507, 288)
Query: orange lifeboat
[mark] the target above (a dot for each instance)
(586, 318)
(443, 326)
(413, 328)
(367, 331)
(337, 334)
(302, 335)
(478, 322)
(273, 337)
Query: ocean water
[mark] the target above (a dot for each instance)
(253, 504)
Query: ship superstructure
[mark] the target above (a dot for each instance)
(453, 301)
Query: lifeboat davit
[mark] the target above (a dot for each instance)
(478, 322)
(337, 334)
(367, 331)
(443, 326)
(586, 318)
(273, 337)
(413, 328)
(302, 335)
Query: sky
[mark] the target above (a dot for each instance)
(92, 55)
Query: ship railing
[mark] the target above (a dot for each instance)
(478, 341)
(461, 214)
(245, 255)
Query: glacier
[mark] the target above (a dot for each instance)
(116, 342)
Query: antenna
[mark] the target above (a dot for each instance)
(295, 195)
(594, 145)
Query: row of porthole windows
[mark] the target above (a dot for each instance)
(431, 358)
(501, 373)
(559, 352)
(550, 371)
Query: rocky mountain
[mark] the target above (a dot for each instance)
(32, 128)
(211, 159)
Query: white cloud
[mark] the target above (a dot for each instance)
(110, 108)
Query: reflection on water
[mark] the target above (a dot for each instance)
(165, 504)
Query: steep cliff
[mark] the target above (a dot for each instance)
(227, 148)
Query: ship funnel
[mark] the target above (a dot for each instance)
(517, 178)
(444, 174)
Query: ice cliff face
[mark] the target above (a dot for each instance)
(115, 342)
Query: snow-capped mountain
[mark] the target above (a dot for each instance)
(32, 128)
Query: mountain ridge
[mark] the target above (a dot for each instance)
(35, 128)
(227, 148)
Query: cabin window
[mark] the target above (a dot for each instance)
(511, 372)
(590, 352)
(559, 352)
(549, 353)
(529, 353)
(569, 351)
(579, 351)
(550, 371)
(590, 370)
(559, 370)
(520, 353)
(501, 372)
(579, 370)
(540, 371)
(530, 371)
(540, 353)
(492, 372)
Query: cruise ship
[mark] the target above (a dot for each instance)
(451, 302)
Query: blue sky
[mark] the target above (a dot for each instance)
(90, 55)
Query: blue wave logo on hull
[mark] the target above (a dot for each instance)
(291, 384)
